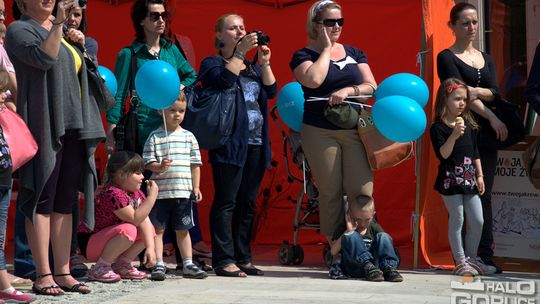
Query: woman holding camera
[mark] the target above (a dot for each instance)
(326, 68)
(238, 166)
(53, 99)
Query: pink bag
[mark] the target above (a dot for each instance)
(22, 145)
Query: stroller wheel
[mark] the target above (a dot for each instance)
(327, 256)
(298, 257)
(286, 254)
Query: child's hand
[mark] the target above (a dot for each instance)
(349, 223)
(481, 185)
(149, 258)
(152, 188)
(165, 164)
(198, 195)
(459, 129)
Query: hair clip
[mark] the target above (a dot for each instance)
(452, 87)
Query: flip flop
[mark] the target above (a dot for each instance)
(20, 282)
(224, 273)
(74, 288)
(45, 290)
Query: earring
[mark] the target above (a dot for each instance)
(221, 45)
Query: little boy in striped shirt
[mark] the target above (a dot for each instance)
(172, 154)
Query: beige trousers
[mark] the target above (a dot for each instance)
(340, 167)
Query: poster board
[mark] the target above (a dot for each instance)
(516, 208)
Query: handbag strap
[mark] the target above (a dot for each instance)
(134, 99)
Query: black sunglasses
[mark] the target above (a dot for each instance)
(332, 22)
(154, 16)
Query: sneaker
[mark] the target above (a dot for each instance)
(464, 269)
(392, 275)
(193, 272)
(373, 273)
(482, 268)
(77, 268)
(103, 273)
(16, 297)
(490, 262)
(158, 273)
(336, 273)
(128, 271)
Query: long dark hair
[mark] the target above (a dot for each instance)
(139, 11)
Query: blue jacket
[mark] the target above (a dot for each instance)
(214, 74)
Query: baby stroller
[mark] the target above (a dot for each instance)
(307, 205)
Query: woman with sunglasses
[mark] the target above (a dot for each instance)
(149, 20)
(238, 166)
(327, 68)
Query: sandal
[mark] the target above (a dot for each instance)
(225, 273)
(45, 290)
(251, 270)
(74, 288)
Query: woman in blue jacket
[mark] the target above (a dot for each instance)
(238, 166)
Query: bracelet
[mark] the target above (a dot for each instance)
(265, 64)
(372, 86)
(356, 90)
(239, 54)
(480, 175)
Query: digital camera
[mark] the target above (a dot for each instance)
(262, 38)
(80, 3)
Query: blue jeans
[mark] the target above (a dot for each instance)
(23, 261)
(5, 195)
(354, 253)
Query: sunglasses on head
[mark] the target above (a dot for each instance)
(332, 22)
(154, 16)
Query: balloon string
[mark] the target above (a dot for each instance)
(166, 135)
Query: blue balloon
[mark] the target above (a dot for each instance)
(399, 118)
(157, 84)
(110, 79)
(290, 105)
(404, 84)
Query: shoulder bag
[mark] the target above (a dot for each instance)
(509, 114)
(381, 152)
(97, 88)
(21, 143)
(126, 133)
(210, 114)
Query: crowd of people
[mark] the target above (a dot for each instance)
(151, 192)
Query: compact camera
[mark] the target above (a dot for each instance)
(80, 3)
(262, 38)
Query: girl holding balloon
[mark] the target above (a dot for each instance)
(327, 68)
(460, 180)
(463, 61)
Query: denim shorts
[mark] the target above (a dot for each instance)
(176, 211)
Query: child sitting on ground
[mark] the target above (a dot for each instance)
(366, 250)
(122, 228)
(172, 154)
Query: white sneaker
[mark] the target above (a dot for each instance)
(464, 269)
(482, 268)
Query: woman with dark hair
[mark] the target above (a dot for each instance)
(238, 166)
(54, 100)
(464, 62)
(149, 20)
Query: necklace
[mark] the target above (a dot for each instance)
(471, 59)
(152, 51)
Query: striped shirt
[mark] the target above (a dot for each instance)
(182, 148)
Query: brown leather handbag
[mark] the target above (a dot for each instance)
(382, 153)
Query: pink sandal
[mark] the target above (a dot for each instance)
(128, 271)
(103, 273)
